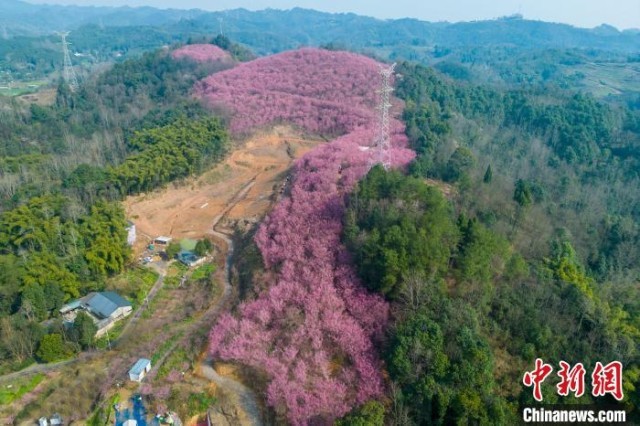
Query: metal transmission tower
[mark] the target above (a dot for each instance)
(382, 144)
(68, 72)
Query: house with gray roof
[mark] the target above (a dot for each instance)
(106, 304)
(105, 308)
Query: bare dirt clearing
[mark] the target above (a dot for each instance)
(240, 189)
(186, 211)
(43, 97)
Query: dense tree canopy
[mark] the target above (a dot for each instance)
(65, 167)
(164, 154)
(322, 92)
(471, 303)
(397, 226)
(314, 316)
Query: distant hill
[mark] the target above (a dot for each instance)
(271, 30)
(509, 51)
(22, 18)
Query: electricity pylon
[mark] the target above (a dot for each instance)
(382, 144)
(68, 73)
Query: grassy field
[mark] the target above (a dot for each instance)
(203, 272)
(603, 79)
(21, 87)
(134, 284)
(16, 390)
(174, 274)
(111, 336)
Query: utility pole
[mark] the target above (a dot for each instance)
(382, 144)
(108, 340)
(68, 73)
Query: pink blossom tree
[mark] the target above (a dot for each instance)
(313, 329)
(202, 53)
(320, 91)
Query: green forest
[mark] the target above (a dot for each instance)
(473, 315)
(569, 161)
(64, 170)
(512, 237)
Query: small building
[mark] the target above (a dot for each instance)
(131, 233)
(139, 369)
(189, 258)
(107, 304)
(162, 240)
(105, 308)
(55, 420)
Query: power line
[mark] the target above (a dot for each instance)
(69, 73)
(382, 143)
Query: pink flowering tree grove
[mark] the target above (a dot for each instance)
(320, 91)
(202, 53)
(312, 331)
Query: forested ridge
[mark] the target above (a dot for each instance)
(512, 235)
(530, 254)
(507, 51)
(570, 162)
(64, 170)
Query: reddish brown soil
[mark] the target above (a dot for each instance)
(187, 210)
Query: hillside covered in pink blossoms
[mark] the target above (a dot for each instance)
(322, 92)
(314, 329)
(202, 53)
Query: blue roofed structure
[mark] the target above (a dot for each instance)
(71, 306)
(140, 369)
(105, 308)
(105, 304)
(189, 258)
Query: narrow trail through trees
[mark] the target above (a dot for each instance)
(245, 396)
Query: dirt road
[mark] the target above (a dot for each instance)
(185, 211)
(245, 397)
(243, 188)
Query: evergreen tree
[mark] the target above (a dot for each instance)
(84, 330)
(201, 248)
(459, 164)
(33, 304)
(53, 348)
(172, 250)
(522, 194)
(488, 175)
(369, 414)
(54, 296)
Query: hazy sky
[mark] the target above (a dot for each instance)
(583, 13)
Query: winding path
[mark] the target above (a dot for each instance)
(37, 368)
(143, 307)
(246, 397)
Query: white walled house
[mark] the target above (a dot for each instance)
(139, 370)
(131, 233)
